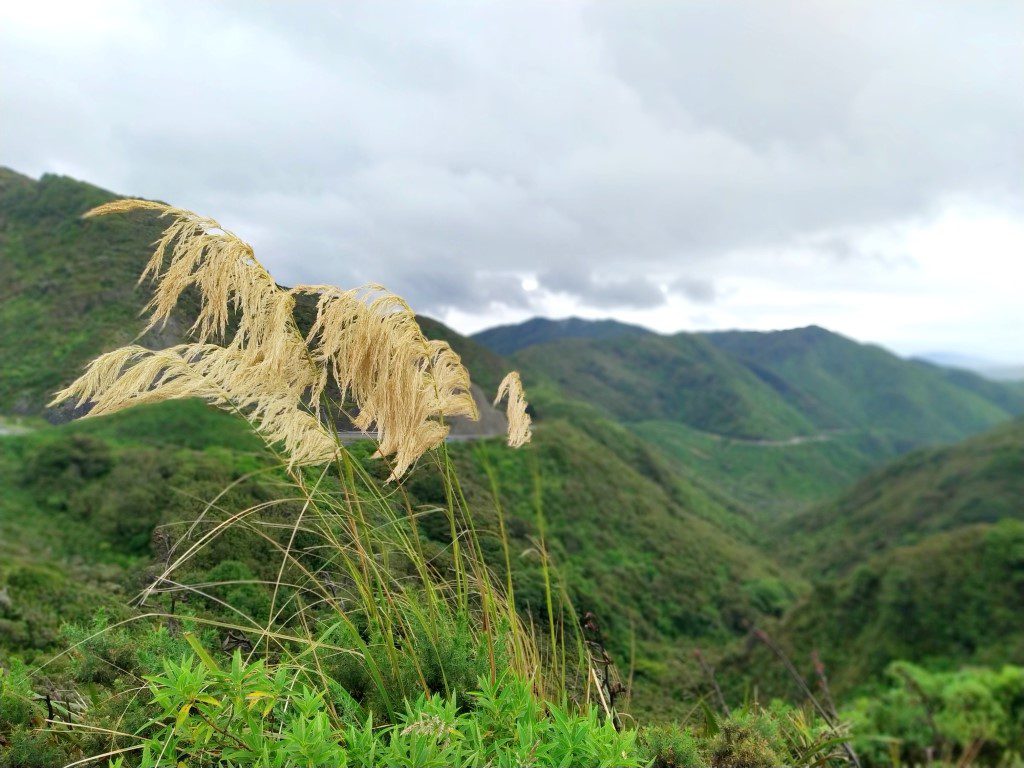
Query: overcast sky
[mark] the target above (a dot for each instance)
(686, 165)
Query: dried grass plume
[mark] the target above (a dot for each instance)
(519, 432)
(249, 356)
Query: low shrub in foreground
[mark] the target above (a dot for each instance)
(752, 737)
(253, 715)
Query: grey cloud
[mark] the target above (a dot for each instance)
(447, 151)
(604, 293)
(695, 289)
(438, 292)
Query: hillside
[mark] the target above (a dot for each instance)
(953, 598)
(67, 287)
(780, 421)
(840, 384)
(980, 480)
(68, 291)
(922, 560)
(775, 478)
(80, 503)
(683, 380)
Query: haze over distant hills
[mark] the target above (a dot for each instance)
(987, 368)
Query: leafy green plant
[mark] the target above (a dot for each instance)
(671, 746)
(255, 715)
(974, 715)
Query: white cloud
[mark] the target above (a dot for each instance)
(835, 163)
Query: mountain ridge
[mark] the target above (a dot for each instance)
(506, 339)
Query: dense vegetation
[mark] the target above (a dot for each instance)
(980, 480)
(668, 495)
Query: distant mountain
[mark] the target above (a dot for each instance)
(986, 368)
(758, 385)
(955, 360)
(1010, 373)
(506, 339)
(779, 420)
(841, 384)
(679, 379)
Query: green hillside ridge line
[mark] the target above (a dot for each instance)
(655, 377)
(840, 383)
(506, 339)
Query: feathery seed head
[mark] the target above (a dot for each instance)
(519, 432)
(367, 340)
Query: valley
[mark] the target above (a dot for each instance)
(687, 487)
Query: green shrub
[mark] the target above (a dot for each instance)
(972, 710)
(255, 715)
(747, 740)
(105, 655)
(28, 748)
(671, 746)
(16, 704)
(439, 653)
(22, 743)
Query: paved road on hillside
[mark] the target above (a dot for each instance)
(821, 437)
(351, 437)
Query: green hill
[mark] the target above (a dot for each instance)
(842, 385)
(67, 287)
(952, 599)
(922, 560)
(980, 480)
(506, 339)
(681, 379)
(774, 478)
(780, 421)
(79, 504)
